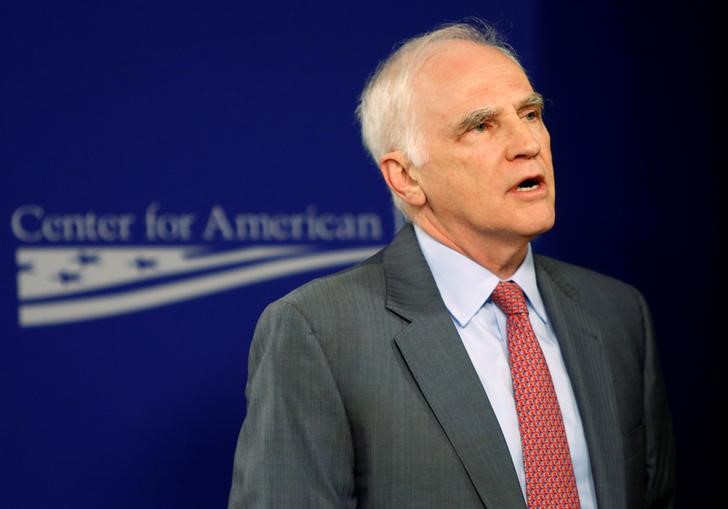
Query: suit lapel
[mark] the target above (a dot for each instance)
(439, 363)
(586, 361)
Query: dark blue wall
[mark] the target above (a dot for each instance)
(107, 109)
(637, 132)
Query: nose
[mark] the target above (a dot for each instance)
(523, 142)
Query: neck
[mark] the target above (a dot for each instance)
(501, 255)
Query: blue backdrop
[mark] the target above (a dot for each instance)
(168, 170)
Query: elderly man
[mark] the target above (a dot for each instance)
(455, 368)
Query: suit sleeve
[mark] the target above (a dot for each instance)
(294, 448)
(660, 453)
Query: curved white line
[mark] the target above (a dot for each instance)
(34, 315)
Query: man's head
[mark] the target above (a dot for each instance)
(456, 128)
(385, 107)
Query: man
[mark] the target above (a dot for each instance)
(456, 369)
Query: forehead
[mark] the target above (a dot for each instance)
(461, 74)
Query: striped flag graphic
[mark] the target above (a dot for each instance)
(76, 283)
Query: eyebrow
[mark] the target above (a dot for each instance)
(488, 113)
(476, 117)
(535, 99)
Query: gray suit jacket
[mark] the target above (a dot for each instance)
(361, 394)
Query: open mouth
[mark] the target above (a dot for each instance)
(529, 184)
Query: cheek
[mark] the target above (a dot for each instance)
(485, 174)
(545, 142)
(543, 133)
(460, 178)
(440, 175)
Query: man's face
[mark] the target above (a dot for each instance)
(488, 173)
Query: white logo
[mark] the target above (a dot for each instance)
(84, 280)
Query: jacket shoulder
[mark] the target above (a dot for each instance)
(606, 298)
(579, 280)
(338, 293)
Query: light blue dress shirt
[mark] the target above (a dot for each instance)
(465, 287)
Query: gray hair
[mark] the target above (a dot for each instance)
(385, 108)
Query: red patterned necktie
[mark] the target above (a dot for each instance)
(550, 481)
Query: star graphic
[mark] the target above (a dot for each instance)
(25, 267)
(142, 263)
(87, 259)
(66, 277)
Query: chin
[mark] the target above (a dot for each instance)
(534, 229)
(538, 223)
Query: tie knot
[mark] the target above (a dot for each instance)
(509, 297)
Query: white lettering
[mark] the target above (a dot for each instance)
(218, 221)
(30, 223)
(167, 226)
(25, 223)
(285, 227)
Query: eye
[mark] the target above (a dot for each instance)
(532, 115)
(480, 127)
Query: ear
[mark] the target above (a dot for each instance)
(402, 178)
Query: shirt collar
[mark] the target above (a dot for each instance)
(465, 285)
